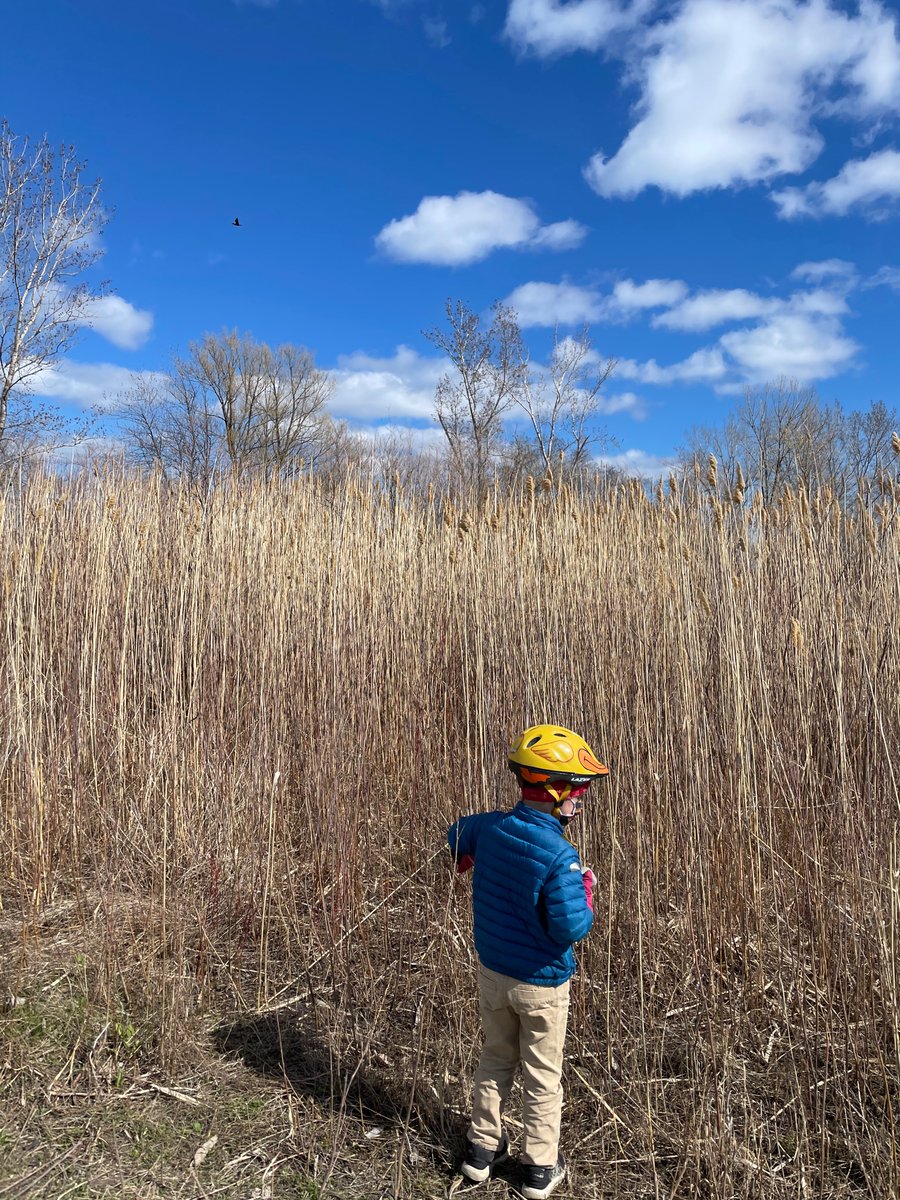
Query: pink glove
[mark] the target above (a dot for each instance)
(588, 878)
(466, 863)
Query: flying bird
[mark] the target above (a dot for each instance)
(235, 221)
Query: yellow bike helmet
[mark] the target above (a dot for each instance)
(547, 753)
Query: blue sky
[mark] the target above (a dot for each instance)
(712, 184)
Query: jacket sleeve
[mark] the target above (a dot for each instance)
(566, 910)
(462, 836)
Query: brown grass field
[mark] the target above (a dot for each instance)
(233, 731)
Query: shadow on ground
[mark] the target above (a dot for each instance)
(286, 1047)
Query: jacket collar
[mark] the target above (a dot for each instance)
(533, 817)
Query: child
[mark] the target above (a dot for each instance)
(532, 900)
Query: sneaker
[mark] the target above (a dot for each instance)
(538, 1182)
(478, 1163)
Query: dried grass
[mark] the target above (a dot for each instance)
(233, 731)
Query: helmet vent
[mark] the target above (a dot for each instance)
(534, 741)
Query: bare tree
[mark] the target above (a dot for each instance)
(231, 402)
(293, 422)
(488, 374)
(400, 461)
(268, 404)
(166, 423)
(50, 218)
(766, 440)
(777, 425)
(867, 443)
(226, 372)
(562, 400)
(781, 435)
(33, 431)
(519, 459)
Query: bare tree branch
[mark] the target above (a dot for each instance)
(781, 435)
(562, 401)
(231, 402)
(488, 374)
(50, 219)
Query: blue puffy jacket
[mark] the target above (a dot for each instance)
(528, 893)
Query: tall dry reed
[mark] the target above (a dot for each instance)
(234, 728)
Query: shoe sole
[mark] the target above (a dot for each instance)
(531, 1193)
(479, 1176)
(473, 1173)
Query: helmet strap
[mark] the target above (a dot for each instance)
(567, 811)
(568, 802)
(564, 809)
(559, 792)
(562, 794)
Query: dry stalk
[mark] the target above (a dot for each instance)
(738, 1004)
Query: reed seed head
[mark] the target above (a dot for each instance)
(712, 471)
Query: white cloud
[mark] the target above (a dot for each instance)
(564, 303)
(861, 183)
(462, 229)
(550, 27)
(801, 337)
(825, 302)
(85, 384)
(119, 322)
(706, 309)
(703, 310)
(401, 388)
(552, 304)
(795, 345)
(561, 235)
(655, 293)
(731, 91)
(706, 365)
(368, 389)
(826, 268)
(885, 277)
(639, 463)
(875, 59)
(391, 436)
(624, 402)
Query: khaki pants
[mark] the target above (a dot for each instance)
(527, 1024)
